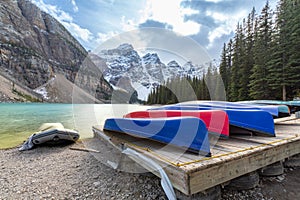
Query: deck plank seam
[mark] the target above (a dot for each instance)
(178, 164)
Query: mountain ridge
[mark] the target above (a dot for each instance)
(35, 47)
(143, 73)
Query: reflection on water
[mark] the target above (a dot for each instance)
(20, 120)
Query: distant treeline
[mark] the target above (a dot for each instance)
(261, 61)
(180, 89)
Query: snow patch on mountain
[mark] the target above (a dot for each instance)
(145, 72)
(42, 90)
(142, 91)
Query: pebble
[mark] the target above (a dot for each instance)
(96, 184)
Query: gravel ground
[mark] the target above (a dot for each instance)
(61, 173)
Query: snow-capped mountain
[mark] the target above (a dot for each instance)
(144, 72)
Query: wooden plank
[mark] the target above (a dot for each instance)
(84, 149)
(238, 143)
(244, 152)
(202, 179)
(265, 141)
(216, 150)
(287, 129)
(291, 118)
(227, 147)
(168, 151)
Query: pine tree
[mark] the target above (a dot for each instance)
(247, 60)
(259, 88)
(223, 69)
(229, 56)
(293, 64)
(277, 78)
(219, 91)
(236, 63)
(284, 66)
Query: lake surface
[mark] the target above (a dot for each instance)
(19, 120)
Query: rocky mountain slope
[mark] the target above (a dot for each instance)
(126, 68)
(11, 92)
(34, 47)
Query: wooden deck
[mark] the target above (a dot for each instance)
(231, 158)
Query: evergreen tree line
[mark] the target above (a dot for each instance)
(187, 88)
(262, 61)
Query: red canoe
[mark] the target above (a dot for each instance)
(216, 121)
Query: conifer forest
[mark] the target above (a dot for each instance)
(261, 61)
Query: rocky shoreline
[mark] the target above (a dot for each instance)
(58, 172)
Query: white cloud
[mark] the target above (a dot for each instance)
(78, 32)
(128, 24)
(54, 11)
(167, 11)
(226, 24)
(75, 7)
(63, 16)
(172, 13)
(102, 37)
(66, 19)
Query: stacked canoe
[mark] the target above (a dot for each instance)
(286, 107)
(190, 125)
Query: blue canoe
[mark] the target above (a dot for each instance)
(293, 106)
(257, 121)
(273, 110)
(189, 133)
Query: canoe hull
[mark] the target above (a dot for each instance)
(273, 110)
(257, 121)
(285, 108)
(216, 121)
(189, 133)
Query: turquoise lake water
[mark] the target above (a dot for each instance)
(19, 120)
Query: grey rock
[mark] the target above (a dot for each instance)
(34, 47)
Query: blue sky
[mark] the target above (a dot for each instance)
(209, 22)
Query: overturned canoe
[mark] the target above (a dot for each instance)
(189, 133)
(256, 121)
(273, 110)
(285, 107)
(216, 121)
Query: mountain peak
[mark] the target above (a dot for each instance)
(173, 64)
(151, 58)
(188, 66)
(125, 47)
